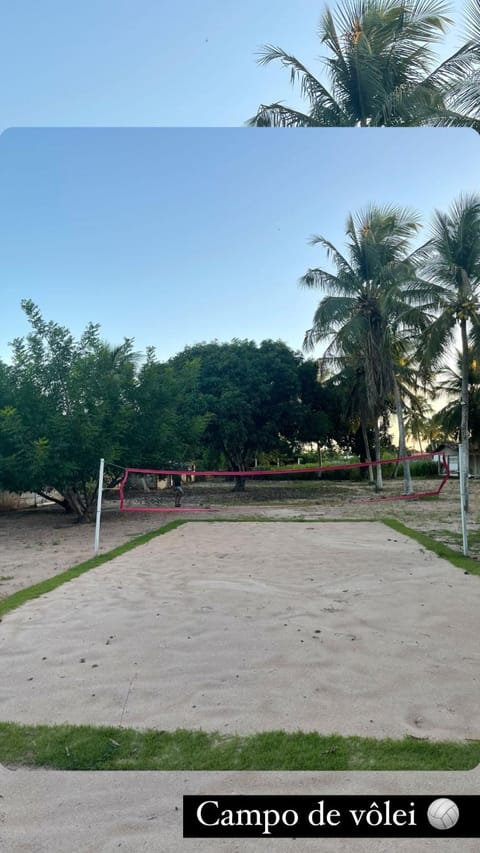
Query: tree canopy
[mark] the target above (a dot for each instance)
(251, 395)
(65, 403)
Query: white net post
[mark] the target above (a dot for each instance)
(99, 507)
(463, 478)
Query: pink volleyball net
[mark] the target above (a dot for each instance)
(191, 490)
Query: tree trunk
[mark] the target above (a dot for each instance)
(319, 454)
(402, 447)
(60, 502)
(464, 437)
(368, 455)
(72, 503)
(236, 464)
(239, 484)
(379, 482)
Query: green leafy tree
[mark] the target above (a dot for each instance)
(170, 415)
(71, 403)
(382, 71)
(251, 398)
(322, 419)
(65, 403)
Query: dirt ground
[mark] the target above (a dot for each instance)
(36, 544)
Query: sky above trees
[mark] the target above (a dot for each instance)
(176, 236)
(153, 64)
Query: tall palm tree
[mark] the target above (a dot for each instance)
(381, 69)
(453, 266)
(373, 306)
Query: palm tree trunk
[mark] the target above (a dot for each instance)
(379, 483)
(368, 455)
(464, 407)
(402, 447)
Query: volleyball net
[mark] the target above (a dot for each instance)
(191, 490)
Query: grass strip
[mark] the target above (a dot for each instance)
(18, 598)
(441, 550)
(66, 747)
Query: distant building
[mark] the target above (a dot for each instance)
(450, 451)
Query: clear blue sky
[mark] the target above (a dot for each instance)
(174, 236)
(121, 63)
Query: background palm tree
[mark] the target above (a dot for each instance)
(381, 69)
(373, 308)
(449, 417)
(351, 379)
(453, 266)
(418, 420)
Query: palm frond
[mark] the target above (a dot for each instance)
(319, 279)
(436, 342)
(277, 115)
(310, 87)
(472, 21)
(333, 253)
(464, 100)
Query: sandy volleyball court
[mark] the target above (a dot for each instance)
(246, 596)
(333, 627)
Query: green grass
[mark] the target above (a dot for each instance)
(439, 548)
(11, 602)
(452, 536)
(89, 748)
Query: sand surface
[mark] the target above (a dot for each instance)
(38, 543)
(387, 582)
(51, 812)
(240, 627)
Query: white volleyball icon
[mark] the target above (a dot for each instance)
(443, 813)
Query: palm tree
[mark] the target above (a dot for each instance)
(449, 417)
(373, 308)
(407, 394)
(417, 421)
(351, 379)
(382, 71)
(453, 266)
